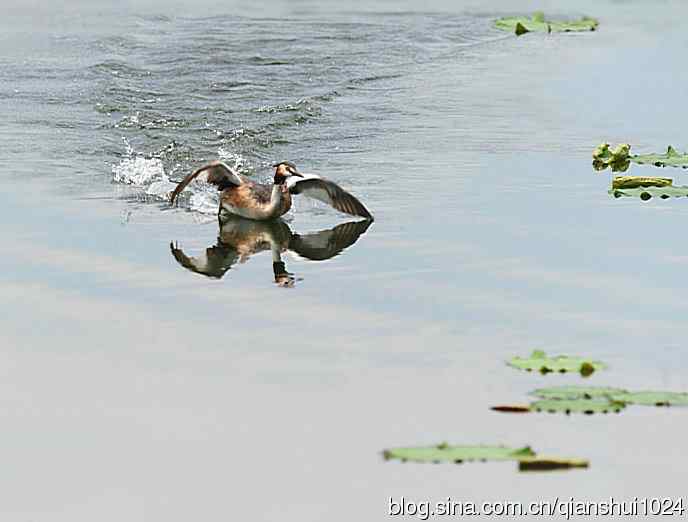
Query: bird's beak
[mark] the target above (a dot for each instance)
(296, 173)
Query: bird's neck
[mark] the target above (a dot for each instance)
(277, 195)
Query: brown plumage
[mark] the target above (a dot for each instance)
(254, 197)
(216, 173)
(245, 198)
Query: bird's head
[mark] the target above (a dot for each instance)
(285, 169)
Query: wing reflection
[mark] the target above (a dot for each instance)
(240, 238)
(318, 246)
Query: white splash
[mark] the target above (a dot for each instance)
(161, 189)
(149, 174)
(204, 202)
(137, 170)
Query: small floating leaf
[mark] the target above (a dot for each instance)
(550, 464)
(447, 453)
(525, 456)
(539, 361)
(619, 159)
(538, 23)
(587, 406)
(670, 158)
(581, 393)
(652, 398)
(629, 182)
(646, 193)
(511, 409)
(576, 392)
(601, 152)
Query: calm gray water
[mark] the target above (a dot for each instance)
(134, 390)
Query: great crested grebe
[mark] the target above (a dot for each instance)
(241, 238)
(242, 197)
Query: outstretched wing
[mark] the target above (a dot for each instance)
(328, 192)
(216, 261)
(216, 173)
(325, 244)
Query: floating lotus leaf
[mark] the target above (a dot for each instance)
(587, 406)
(619, 159)
(550, 464)
(457, 454)
(630, 182)
(577, 392)
(652, 398)
(670, 158)
(646, 193)
(539, 361)
(511, 408)
(645, 398)
(523, 24)
(525, 456)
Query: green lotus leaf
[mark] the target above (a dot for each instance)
(619, 159)
(581, 393)
(550, 464)
(630, 182)
(620, 165)
(652, 398)
(539, 361)
(587, 406)
(670, 158)
(622, 151)
(646, 193)
(602, 152)
(577, 392)
(523, 24)
(457, 454)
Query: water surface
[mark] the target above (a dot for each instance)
(133, 389)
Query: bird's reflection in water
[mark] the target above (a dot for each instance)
(240, 238)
